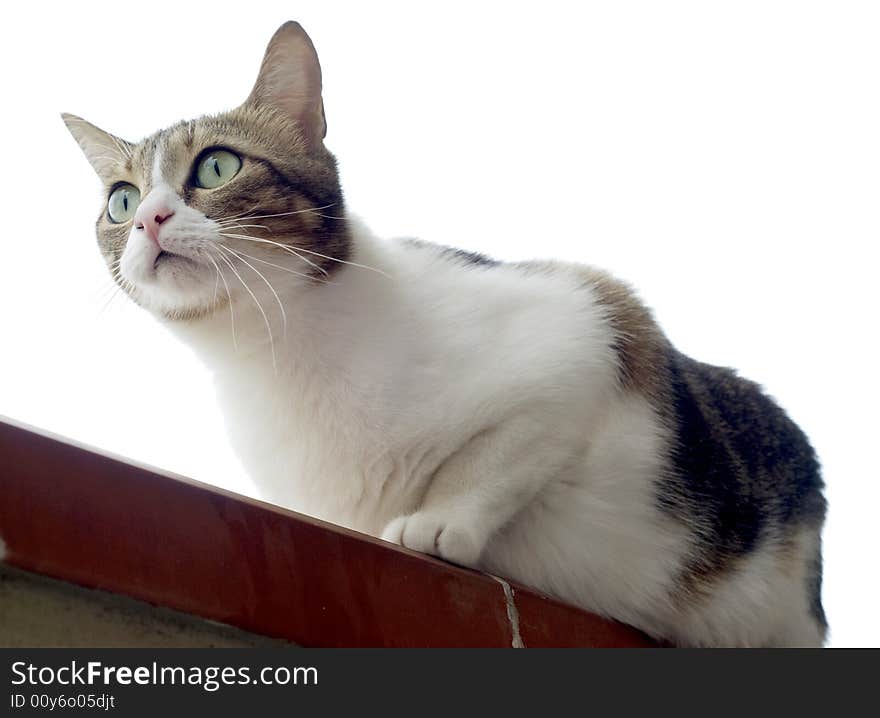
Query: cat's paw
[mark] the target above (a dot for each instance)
(435, 534)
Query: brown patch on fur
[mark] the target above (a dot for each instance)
(789, 555)
(639, 344)
(638, 341)
(697, 582)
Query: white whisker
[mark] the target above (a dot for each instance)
(267, 282)
(259, 306)
(116, 291)
(343, 261)
(235, 225)
(308, 251)
(285, 247)
(229, 296)
(326, 216)
(283, 269)
(268, 216)
(216, 289)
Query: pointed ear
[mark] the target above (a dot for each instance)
(106, 152)
(290, 80)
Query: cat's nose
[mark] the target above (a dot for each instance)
(151, 213)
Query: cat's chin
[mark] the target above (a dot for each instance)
(178, 288)
(180, 309)
(192, 313)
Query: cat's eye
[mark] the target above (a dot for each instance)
(216, 168)
(123, 202)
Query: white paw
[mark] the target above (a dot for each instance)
(434, 534)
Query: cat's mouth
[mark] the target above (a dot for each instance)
(165, 257)
(161, 257)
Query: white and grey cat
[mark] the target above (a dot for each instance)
(527, 419)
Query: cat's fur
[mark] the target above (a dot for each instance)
(527, 419)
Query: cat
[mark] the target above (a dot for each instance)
(526, 419)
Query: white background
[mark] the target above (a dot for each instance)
(722, 157)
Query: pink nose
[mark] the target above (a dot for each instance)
(151, 213)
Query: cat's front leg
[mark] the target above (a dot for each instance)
(439, 532)
(481, 487)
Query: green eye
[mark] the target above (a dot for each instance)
(217, 168)
(124, 200)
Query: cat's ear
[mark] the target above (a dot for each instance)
(290, 80)
(106, 153)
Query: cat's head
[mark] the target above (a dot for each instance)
(195, 212)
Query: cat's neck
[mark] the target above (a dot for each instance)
(327, 327)
(321, 405)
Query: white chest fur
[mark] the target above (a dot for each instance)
(381, 377)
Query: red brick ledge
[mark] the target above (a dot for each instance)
(84, 516)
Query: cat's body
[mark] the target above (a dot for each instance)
(527, 419)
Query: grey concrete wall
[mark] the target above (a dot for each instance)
(39, 612)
